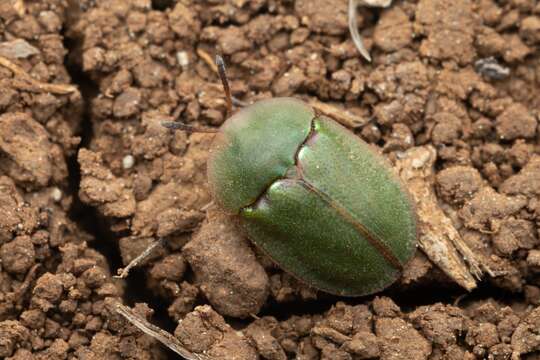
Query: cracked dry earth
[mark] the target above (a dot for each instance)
(89, 178)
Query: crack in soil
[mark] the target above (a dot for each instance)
(91, 221)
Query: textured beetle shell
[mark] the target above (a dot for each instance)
(321, 202)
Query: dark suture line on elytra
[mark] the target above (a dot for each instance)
(372, 238)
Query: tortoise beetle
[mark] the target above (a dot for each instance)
(321, 202)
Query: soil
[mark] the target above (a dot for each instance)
(89, 178)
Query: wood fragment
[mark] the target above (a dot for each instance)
(124, 272)
(342, 116)
(23, 81)
(160, 335)
(438, 237)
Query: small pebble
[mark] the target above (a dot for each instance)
(182, 58)
(128, 161)
(56, 194)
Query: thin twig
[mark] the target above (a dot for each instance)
(207, 59)
(207, 206)
(19, 293)
(342, 116)
(123, 273)
(160, 335)
(35, 85)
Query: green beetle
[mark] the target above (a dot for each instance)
(322, 203)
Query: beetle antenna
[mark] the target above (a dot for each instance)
(223, 76)
(176, 125)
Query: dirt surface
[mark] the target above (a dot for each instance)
(89, 178)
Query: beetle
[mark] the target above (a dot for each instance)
(321, 202)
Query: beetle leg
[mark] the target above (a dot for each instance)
(373, 239)
(353, 28)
